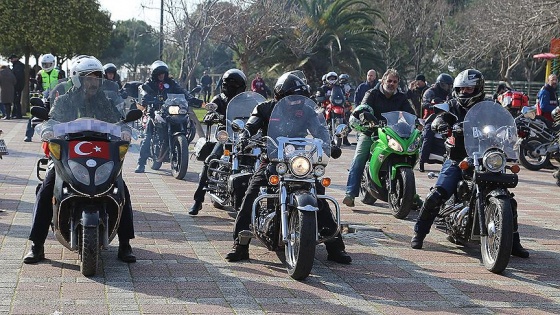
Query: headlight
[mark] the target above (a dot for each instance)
(319, 170)
(414, 146)
(173, 110)
(394, 144)
(494, 161)
(79, 171)
(300, 165)
(281, 168)
(103, 172)
(222, 136)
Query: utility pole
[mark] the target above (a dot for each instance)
(161, 32)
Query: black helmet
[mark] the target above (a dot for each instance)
(444, 81)
(158, 67)
(289, 84)
(469, 78)
(343, 78)
(234, 82)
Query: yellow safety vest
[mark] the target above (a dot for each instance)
(49, 80)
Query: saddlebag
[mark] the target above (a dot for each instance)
(497, 179)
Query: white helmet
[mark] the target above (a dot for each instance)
(332, 77)
(48, 62)
(84, 65)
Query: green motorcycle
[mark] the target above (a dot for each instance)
(389, 176)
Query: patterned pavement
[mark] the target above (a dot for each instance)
(181, 269)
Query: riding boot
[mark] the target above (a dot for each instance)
(336, 251)
(197, 206)
(125, 251)
(238, 252)
(517, 249)
(36, 254)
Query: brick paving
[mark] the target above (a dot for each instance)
(181, 267)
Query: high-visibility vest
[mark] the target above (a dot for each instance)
(50, 80)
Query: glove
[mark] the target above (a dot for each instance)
(125, 135)
(47, 135)
(458, 129)
(159, 119)
(124, 94)
(210, 117)
(441, 128)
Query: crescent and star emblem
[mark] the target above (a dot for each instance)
(79, 151)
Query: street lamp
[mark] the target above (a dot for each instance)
(161, 32)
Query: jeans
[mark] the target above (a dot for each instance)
(359, 161)
(145, 145)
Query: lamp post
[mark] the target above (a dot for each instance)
(161, 32)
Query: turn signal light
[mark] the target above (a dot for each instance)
(464, 165)
(123, 148)
(515, 168)
(274, 180)
(326, 182)
(54, 149)
(226, 152)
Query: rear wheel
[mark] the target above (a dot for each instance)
(300, 248)
(496, 247)
(179, 157)
(90, 250)
(402, 196)
(528, 158)
(367, 197)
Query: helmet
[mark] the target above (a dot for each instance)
(469, 78)
(324, 79)
(85, 65)
(343, 79)
(289, 84)
(332, 77)
(48, 62)
(234, 82)
(158, 67)
(444, 81)
(110, 68)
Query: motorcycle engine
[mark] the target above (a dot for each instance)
(459, 220)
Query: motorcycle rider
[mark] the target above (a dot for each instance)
(468, 89)
(93, 103)
(343, 81)
(438, 93)
(287, 84)
(110, 73)
(47, 79)
(234, 82)
(385, 97)
(159, 86)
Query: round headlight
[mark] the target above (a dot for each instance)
(319, 170)
(300, 165)
(281, 168)
(494, 161)
(222, 136)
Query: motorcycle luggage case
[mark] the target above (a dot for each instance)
(514, 99)
(238, 184)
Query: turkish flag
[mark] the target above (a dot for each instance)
(89, 149)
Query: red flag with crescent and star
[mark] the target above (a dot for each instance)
(89, 149)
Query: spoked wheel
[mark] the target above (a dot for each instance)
(528, 158)
(402, 197)
(155, 150)
(367, 197)
(90, 251)
(179, 157)
(496, 247)
(300, 248)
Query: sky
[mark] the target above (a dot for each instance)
(144, 10)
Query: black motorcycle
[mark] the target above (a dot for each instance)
(88, 155)
(482, 207)
(172, 134)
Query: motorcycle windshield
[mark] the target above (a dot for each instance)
(112, 93)
(178, 100)
(83, 108)
(295, 129)
(337, 95)
(240, 107)
(402, 123)
(488, 125)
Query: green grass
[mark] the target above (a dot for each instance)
(200, 112)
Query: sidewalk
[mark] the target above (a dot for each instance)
(181, 267)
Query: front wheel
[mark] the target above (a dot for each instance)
(528, 158)
(179, 157)
(300, 248)
(155, 151)
(90, 250)
(496, 247)
(402, 196)
(367, 197)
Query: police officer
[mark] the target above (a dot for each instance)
(287, 84)
(92, 103)
(234, 82)
(468, 89)
(157, 88)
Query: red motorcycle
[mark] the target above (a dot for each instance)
(333, 108)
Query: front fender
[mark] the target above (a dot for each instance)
(303, 201)
(395, 169)
(90, 218)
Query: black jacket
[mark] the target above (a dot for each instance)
(19, 71)
(456, 152)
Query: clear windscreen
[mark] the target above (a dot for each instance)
(402, 123)
(241, 107)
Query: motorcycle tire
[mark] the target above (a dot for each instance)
(90, 251)
(367, 197)
(402, 197)
(192, 132)
(529, 160)
(300, 248)
(155, 149)
(179, 157)
(496, 247)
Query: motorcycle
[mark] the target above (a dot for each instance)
(3, 146)
(482, 207)
(285, 212)
(228, 175)
(389, 176)
(87, 155)
(333, 109)
(538, 140)
(171, 136)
